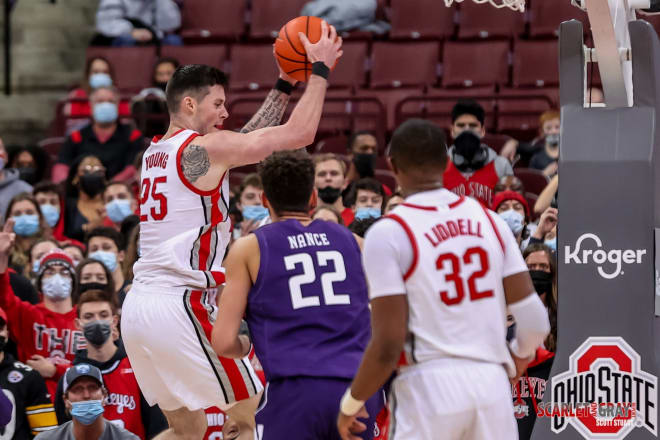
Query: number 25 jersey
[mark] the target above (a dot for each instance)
(184, 231)
(460, 254)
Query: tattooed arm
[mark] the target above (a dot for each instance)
(195, 162)
(270, 113)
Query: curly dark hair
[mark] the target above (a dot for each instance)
(288, 180)
(360, 226)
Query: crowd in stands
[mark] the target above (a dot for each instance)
(75, 214)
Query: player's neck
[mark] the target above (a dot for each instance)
(408, 190)
(103, 353)
(303, 218)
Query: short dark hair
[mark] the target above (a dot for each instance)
(47, 186)
(369, 184)
(468, 107)
(194, 79)
(104, 231)
(351, 139)
(109, 288)
(288, 179)
(418, 144)
(96, 295)
(251, 179)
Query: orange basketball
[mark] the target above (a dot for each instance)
(289, 50)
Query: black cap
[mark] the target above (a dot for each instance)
(81, 370)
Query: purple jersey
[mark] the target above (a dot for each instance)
(308, 311)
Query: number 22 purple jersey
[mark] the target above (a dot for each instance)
(308, 310)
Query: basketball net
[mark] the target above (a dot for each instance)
(516, 5)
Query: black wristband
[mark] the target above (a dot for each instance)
(284, 86)
(319, 68)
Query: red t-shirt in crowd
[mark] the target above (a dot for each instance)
(478, 186)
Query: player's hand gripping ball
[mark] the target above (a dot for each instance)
(290, 50)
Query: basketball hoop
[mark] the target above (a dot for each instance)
(516, 5)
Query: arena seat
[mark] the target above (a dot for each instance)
(545, 17)
(404, 64)
(268, 16)
(332, 144)
(252, 67)
(466, 64)
(212, 54)
(533, 180)
(351, 71)
(474, 23)
(521, 115)
(389, 99)
(133, 66)
(387, 178)
(212, 19)
(495, 141)
(421, 19)
(535, 63)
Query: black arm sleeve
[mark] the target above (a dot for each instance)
(152, 418)
(22, 288)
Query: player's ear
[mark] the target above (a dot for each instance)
(120, 256)
(264, 200)
(189, 104)
(390, 163)
(78, 324)
(313, 200)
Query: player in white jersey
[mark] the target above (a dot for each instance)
(184, 231)
(441, 271)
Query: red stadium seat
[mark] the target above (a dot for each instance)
(521, 115)
(212, 54)
(536, 63)
(387, 178)
(133, 66)
(546, 16)
(477, 22)
(351, 69)
(436, 105)
(333, 144)
(475, 64)
(268, 16)
(213, 19)
(252, 67)
(533, 180)
(495, 141)
(404, 64)
(390, 99)
(421, 19)
(52, 146)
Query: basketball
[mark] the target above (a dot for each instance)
(289, 50)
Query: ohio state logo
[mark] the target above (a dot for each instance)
(605, 371)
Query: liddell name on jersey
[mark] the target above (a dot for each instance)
(52, 339)
(605, 370)
(615, 257)
(453, 228)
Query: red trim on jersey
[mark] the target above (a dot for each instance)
(413, 243)
(425, 208)
(205, 239)
(229, 365)
(454, 204)
(159, 137)
(183, 178)
(218, 276)
(492, 223)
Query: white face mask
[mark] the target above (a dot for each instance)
(514, 219)
(56, 287)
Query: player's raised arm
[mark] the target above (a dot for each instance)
(227, 149)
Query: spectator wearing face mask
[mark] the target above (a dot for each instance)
(76, 251)
(549, 124)
(45, 333)
(119, 203)
(29, 226)
(330, 182)
(107, 246)
(93, 275)
(33, 410)
(474, 168)
(84, 208)
(363, 155)
(10, 182)
(513, 208)
(37, 251)
(251, 206)
(546, 232)
(116, 144)
(369, 199)
(98, 73)
(124, 405)
(85, 398)
(31, 162)
(51, 204)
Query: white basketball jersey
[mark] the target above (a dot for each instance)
(461, 253)
(183, 231)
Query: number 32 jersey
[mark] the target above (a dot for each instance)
(183, 231)
(453, 280)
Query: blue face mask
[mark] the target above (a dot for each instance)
(363, 213)
(118, 209)
(26, 225)
(105, 112)
(51, 214)
(552, 244)
(86, 411)
(35, 267)
(255, 212)
(108, 259)
(97, 80)
(514, 220)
